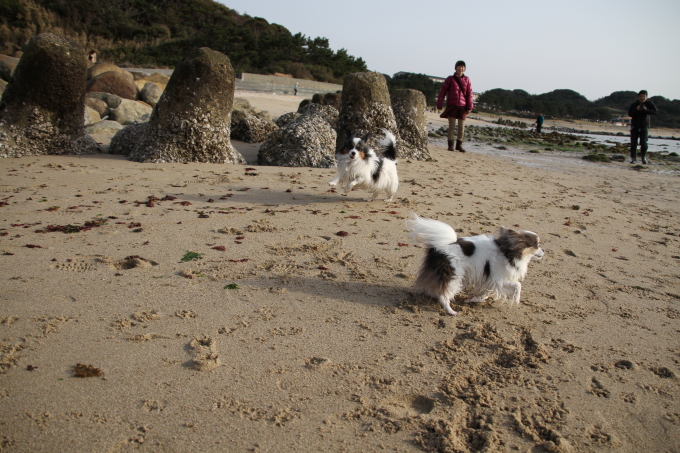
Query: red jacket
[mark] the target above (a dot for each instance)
(454, 96)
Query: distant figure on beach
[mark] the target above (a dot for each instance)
(639, 111)
(539, 123)
(457, 90)
(295, 88)
(92, 56)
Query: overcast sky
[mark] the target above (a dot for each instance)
(594, 47)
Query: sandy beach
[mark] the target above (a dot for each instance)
(228, 308)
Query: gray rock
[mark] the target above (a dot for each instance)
(366, 108)
(42, 108)
(98, 105)
(251, 128)
(192, 120)
(104, 127)
(112, 100)
(409, 111)
(307, 141)
(150, 94)
(286, 118)
(328, 113)
(130, 112)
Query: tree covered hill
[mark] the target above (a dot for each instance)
(570, 104)
(158, 33)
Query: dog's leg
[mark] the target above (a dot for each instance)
(335, 181)
(349, 186)
(444, 300)
(513, 291)
(375, 195)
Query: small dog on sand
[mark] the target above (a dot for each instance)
(484, 265)
(359, 167)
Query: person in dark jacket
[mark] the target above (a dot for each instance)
(457, 90)
(539, 123)
(640, 111)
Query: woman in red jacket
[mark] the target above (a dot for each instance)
(458, 92)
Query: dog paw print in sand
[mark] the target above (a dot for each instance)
(134, 262)
(204, 351)
(77, 265)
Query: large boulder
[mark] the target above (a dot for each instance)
(328, 113)
(366, 108)
(42, 108)
(251, 127)
(409, 111)
(114, 83)
(130, 112)
(98, 106)
(286, 118)
(307, 141)
(192, 120)
(104, 127)
(7, 68)
(101, 68)
(112, 101)
(150, 93)
(91, 116)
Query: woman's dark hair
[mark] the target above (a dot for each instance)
(643, 92)
(460, 63)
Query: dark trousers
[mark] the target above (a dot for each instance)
(641, 134)
(538, 128)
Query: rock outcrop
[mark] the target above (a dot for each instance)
(409, 111)
(192, 120)
(42, 108)
(327, 112)
(306, 141)
(251, 127)
(286, 118)
(366, 108)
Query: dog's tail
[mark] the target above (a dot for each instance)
(389, 145)
(431, 233)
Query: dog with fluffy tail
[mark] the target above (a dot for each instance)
(484, 265)
(359, 167)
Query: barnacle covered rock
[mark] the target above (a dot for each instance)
(192, 120)
(409, 111)
(42, 108)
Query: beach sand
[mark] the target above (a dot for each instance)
(294, 329)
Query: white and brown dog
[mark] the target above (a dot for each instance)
(484, 265)
(359, 167)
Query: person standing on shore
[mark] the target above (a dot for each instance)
(457, 90)
(539, 123)
(295, 88)
(639, 112)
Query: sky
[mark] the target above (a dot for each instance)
(593, 47)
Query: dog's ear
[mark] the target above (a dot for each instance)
(503, 231)
(366, 137)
